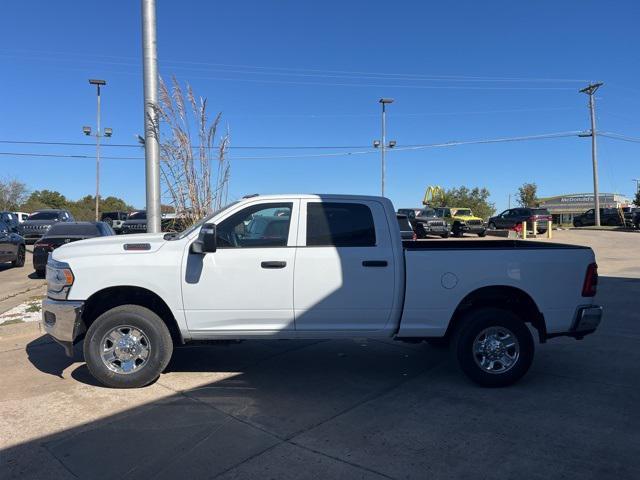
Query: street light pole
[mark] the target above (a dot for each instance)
(98, 84)
(98, 159)
(384, 139)
(151, 126)
(591, 90)
(383, 146)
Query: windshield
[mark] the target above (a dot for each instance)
(174, 236)
(138, 216)
(428, 212)
(464, 212)
(44, 216)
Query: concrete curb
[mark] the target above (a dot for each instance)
(606, 229)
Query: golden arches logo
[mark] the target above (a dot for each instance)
(434, 195)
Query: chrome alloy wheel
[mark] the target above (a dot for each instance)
(496, 350)
(125, 349)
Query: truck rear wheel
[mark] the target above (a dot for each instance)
(127, 347)
(494, 347)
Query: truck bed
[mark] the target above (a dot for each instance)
(440, 274)
(485, 245)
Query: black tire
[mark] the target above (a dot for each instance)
(492, 226)
(41, 273)
(577, 223)
(457, 232)
(472, 326)
(445, 235)
(482, 234)
(159, 344)
(20, 257)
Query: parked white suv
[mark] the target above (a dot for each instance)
(313, 266)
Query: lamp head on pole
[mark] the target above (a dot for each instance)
(108, 132)
(86, 130)
(385, 100)
(94, 81)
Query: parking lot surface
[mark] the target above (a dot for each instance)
(18, 284)
(339, 409)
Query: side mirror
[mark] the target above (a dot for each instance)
(207, 240)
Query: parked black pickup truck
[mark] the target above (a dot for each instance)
(509, 219)
(41, 221)
(63, 233)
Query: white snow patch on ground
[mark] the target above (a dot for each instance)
(30, 311)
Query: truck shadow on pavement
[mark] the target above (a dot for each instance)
(341, 408)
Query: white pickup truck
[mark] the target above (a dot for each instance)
(313, 266)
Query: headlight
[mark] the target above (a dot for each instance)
(59, 279)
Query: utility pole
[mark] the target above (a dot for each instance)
(509, 201)
(383, 146)
(637, 180)
(98, 135)
(591, 90)
(151, 125)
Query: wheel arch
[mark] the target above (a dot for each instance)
(502, 296)
(112, 297)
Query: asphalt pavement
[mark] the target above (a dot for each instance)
(19, 284)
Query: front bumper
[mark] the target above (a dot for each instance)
(33, 237)
(585, 322)
(437, 229)
(62, 319)
(472, 228)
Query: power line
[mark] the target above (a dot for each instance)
(92, 58)
(137, 145)
(332, 154)
(545, 136)
(616, 136)
(619, 136)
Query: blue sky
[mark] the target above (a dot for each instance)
(273, 69)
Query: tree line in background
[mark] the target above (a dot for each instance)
(16, 197)
(477, 199)
(528, 195)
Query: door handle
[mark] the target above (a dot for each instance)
(374, 263)
(273, 264)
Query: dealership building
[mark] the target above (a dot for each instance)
(565, 207)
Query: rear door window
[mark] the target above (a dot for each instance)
(340, 225)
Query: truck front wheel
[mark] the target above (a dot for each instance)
(127, 347)
(494, 347)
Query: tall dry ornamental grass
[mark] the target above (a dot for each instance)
(194, 168)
